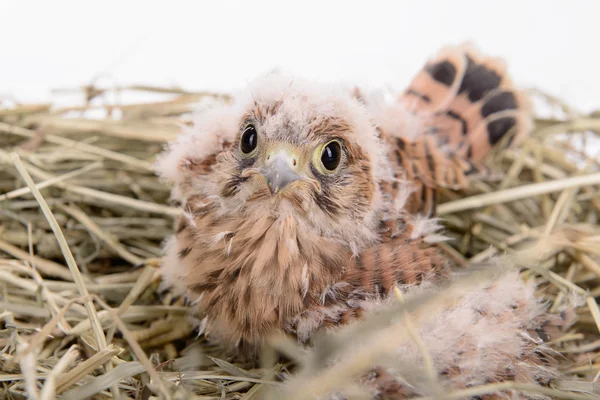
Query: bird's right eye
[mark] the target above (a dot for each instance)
(249, 139)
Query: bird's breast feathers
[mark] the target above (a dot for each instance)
(251, 272)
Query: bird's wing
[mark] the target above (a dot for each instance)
(468, 102)
(458, 106)
(403, 257)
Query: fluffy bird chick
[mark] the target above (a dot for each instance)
(304, 205)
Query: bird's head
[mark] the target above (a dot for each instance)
(285, 148)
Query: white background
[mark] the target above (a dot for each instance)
(48, 44)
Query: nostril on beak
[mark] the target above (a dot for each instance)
(279, 171)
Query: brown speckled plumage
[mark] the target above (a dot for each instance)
(254, 256)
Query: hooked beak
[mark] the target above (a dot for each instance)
(280, 170)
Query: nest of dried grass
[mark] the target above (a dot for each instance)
(82, 218)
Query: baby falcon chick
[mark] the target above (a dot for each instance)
(304, 204)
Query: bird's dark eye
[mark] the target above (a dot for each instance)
(249, 139)
(331, 155)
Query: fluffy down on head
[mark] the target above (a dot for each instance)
(304, 101)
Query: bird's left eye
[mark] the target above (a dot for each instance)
(331, 155)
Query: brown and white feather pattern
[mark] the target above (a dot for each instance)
(245, 295)
(497, 331)
(457, 108)
(255, 256)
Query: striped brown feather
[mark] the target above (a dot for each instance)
(463, 104)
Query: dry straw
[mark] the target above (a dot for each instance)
(82, 219)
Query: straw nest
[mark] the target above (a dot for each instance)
(82, 218)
